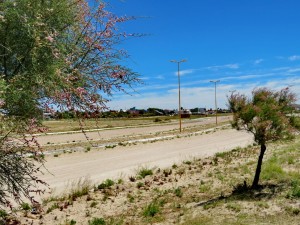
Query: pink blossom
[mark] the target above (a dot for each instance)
(49, 38)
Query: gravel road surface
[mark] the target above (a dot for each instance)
(123, 161)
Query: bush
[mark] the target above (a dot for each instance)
(145, 172)
(97, 221)
(106, 184)
(151, 210)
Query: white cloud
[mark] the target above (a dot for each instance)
(202, 96)
(293, 70)
(258, 61)
(184, 72)
(227, 66)
(294, 57)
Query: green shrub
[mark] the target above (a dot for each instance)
(97, 221)
(295, 189)
(145, 172)
(25, 206)
(3, 213)
(140, 184)
(106, 184)
(178, 192)
(151, 210)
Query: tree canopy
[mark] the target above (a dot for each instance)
(267, 115)
(61, 53)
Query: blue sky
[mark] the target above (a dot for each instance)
(243, 43)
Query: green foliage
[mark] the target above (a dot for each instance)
(106, 184)
(140, 184)
(51, 54)
(25, 206)
(97, 221)
(295, 189)
(52, 207)
(266, 116)
(178, 192)
(272, 170)
(3, 213)
(151, 210)
(145, 172)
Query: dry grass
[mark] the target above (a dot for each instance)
(199, 191)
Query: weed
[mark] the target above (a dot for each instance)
(72, 222)
(204, 188)
(187, 162)
(52, 207)
(174, 166)
(120, 181)
(272, 170)
(106, 184)
(145, 172)
(3, 213)
(151, 210)
(110, 146)
(234, 206)
(130, 198)
(25, 206)
(132, 178)
(295, 189)
(93, 204)
(167, 172)
(97, 221)
(79, 188)
(55, 155)
(221, 154)
(180, 172)
(178, 192)
(140, 184)
(211, 205)
(123, 143)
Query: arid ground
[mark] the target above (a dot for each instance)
(161, 176)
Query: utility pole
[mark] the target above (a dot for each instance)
(216, 107)
(179, 100)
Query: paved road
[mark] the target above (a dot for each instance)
(113, 163)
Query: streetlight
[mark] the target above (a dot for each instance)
(179, 102)
(215, 82)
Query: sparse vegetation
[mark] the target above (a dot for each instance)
(145, 172)
(221, 196)
(106, 184)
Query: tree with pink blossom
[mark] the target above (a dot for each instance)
(62, 53)
(267, 115)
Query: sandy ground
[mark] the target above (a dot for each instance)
(125, 160)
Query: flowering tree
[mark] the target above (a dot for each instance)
(267, 115)
(61, 53)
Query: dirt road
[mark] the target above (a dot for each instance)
(125, 160)
(106, 134)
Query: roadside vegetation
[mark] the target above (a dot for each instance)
(213, 190)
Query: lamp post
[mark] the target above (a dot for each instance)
(215, 82)
(179, 101)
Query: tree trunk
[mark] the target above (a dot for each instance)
(263, 148)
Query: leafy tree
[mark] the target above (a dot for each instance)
(60, 53)
(267, 115)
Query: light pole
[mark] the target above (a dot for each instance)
(179, 102)
(215, 82)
